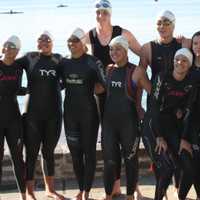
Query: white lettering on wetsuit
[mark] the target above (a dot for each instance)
(74, 79)
(116, 84)
(44, 72)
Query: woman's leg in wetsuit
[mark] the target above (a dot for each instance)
(116, 188)
(50, 137)
(32, 140)
(89, 131)
(73, 137)
(162, 162)
(110, 144)
(14, 140)
(129, 139)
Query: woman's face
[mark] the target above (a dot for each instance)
(118, 53)
(103, 16)
(75, 45)
(45, 44)
(165, 27)
(196, 45)
(10, 51)
(181, 64)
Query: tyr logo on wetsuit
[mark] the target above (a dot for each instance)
(44, 72)
(116, 84)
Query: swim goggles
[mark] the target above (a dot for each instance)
(44, 38)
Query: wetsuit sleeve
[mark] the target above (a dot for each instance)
(23, 62)
(155, 102)
(99, 70)
(22, 91)
(187, 120)
(60, 72)
(101, 73)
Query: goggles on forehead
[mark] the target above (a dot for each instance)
(102, 5)
(165, 22)
(74, 40)
(44, 38)
(10, 45)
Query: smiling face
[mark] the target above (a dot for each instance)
(75, 45)
(118, 54)
(165, 27)
(181, 64)
(45, 44)
(196, 45)
(10, 51)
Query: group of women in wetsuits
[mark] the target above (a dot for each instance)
(170, 128)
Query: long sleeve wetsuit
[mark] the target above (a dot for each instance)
(10, 119)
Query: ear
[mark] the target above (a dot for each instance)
(3, 50)
(39, 46)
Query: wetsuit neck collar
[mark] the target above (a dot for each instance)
(45, 56)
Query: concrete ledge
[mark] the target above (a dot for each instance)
(64, 169)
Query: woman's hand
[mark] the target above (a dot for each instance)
(161, 145)
(185, 145)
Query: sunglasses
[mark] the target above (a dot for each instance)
(9, 45)
(44, 39)
(73, 40)
(102, 5)
(164, 23)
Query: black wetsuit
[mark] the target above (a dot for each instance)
(102, 53)
(195, 133)
(80, 114)
(168, 96)
(44, 111)
(10, 119)
(120, 127)
(162, 57)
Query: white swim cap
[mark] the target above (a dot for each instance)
(103, 5)
(13, 42)
(168, 15)
(120, 40)
(79, 33)
(185, 52)
(48, 34)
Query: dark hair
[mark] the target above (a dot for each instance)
(194, 35)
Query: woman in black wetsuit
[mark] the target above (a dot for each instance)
(10, 117)
(194, 121)
(98, 39)
(80, 73)
(44, 112)
(120, 120)
(165, 131)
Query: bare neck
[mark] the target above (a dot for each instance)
(178, 76)
(104, 28)
(122, 63)
(77, 54)
(197, 61)
(8, 61)
(165, 40)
